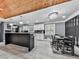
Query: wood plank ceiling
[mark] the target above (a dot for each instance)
(9, 8)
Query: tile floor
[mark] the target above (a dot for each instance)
(42, 50)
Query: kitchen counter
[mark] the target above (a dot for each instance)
(20, 38)
(18, 33)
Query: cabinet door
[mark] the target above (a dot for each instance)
(76, 30)
(77, 20)
(67, 28)
(73, 28)
(70, 28)
(1, 31)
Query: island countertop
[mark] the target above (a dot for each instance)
(18, 33)
(20, 38)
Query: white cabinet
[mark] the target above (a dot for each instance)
(39, 27)
(26, 28)
(49, 29)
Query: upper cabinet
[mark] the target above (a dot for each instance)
(49, 29)
(39, 27)
(26, 28)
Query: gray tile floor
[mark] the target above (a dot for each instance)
(42, 50)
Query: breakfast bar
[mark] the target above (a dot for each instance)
(21, 39)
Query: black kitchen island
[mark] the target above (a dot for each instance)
(21, 39)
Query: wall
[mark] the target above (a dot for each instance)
(60, 29)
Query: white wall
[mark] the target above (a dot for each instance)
(60, 29)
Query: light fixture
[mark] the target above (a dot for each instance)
(53, 15)
(63, 17)
(11, 24)
(20, 22)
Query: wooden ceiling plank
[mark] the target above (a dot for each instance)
(16, 7)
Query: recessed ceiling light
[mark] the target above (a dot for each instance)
(20, 22)
(63, 17)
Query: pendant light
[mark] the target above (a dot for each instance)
(20, 20)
